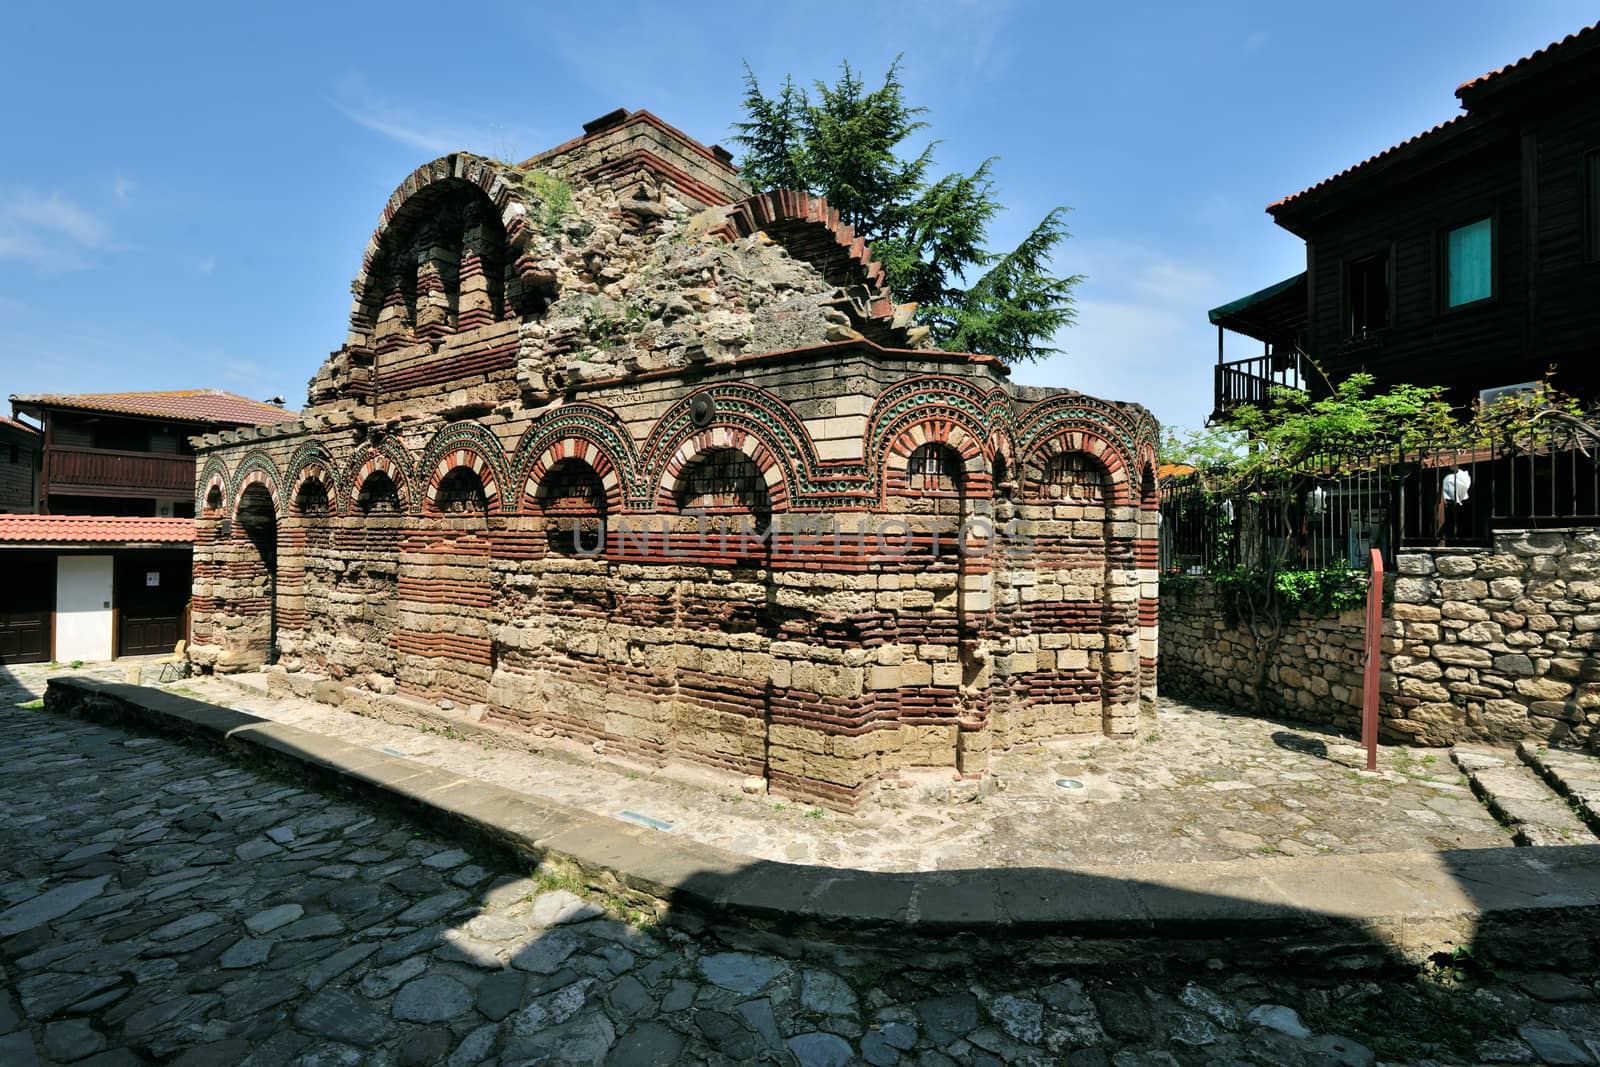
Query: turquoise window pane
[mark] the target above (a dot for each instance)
(1471, 255)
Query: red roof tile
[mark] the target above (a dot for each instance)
(13, 424)
(1509, 67)
(196, 405)
(93, 529)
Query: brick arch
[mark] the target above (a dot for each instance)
(573, 448)
(469, 445)
(1102, 452)
(597, 429)
(214, 475)
(811, 230)
(1149, 494)
(1124, 428)
(313, 472)
(503, 188)
(964, 440)
(755, 417)
(311, 462)
(975, 409)
(1002, 454)
(256, 468)
(391, 458)
(767, 459)
(932, 408)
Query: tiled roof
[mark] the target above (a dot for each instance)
(1386, 153)
(1467, 86)
(195, 405)
(1589, 34)
(13, 424)
(93, 529)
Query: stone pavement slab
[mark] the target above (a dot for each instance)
(1410, 905)
(111, 980)
(1196, 784)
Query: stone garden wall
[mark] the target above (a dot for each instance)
(1493, 644)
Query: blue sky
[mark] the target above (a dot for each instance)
(186, 191)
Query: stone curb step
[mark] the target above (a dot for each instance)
(1574, 775)
(1319, 914)
(1520, 798)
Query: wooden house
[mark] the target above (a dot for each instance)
(1467, 256)
(104, 567)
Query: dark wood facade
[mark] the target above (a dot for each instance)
(19, 467)
(1526, 157)
(104, 464)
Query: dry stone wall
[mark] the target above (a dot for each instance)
(1495, 644)
(669, 473)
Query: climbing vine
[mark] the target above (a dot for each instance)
(1247, 591)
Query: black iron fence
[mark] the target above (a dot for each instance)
(1335, 508)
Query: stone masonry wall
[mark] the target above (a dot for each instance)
(1493, 644)
(510, 488)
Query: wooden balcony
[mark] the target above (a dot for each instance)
(1251, 381)
(100, 472)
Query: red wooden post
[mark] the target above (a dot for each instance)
(1369, 689)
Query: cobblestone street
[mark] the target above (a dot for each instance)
(1197, 784)
(161, 904)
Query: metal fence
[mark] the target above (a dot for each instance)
(1337, 507)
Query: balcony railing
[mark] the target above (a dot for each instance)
(1251, 381)
(102, 472)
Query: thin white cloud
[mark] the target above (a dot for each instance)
(248, 375)
(207, 265)
(122, 188)
(55, 213)
(49, 230)
(357, 101)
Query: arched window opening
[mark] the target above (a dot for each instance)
(935, 468)
(378, 495)
(574, 499)
(311, 498)
(443, 265)
(257, 520)
(726, 482)
(1003, 487)
(1073, 478)
(460, 492)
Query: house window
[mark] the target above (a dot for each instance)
(1469, 263)
(1368, 296)
(1591, 203)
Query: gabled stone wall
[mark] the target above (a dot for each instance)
(546, 514)
(1495, 644)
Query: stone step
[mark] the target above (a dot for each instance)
(251, 682)
(1575, 775)
(1520, 798)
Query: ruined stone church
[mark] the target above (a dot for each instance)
(621, 451)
